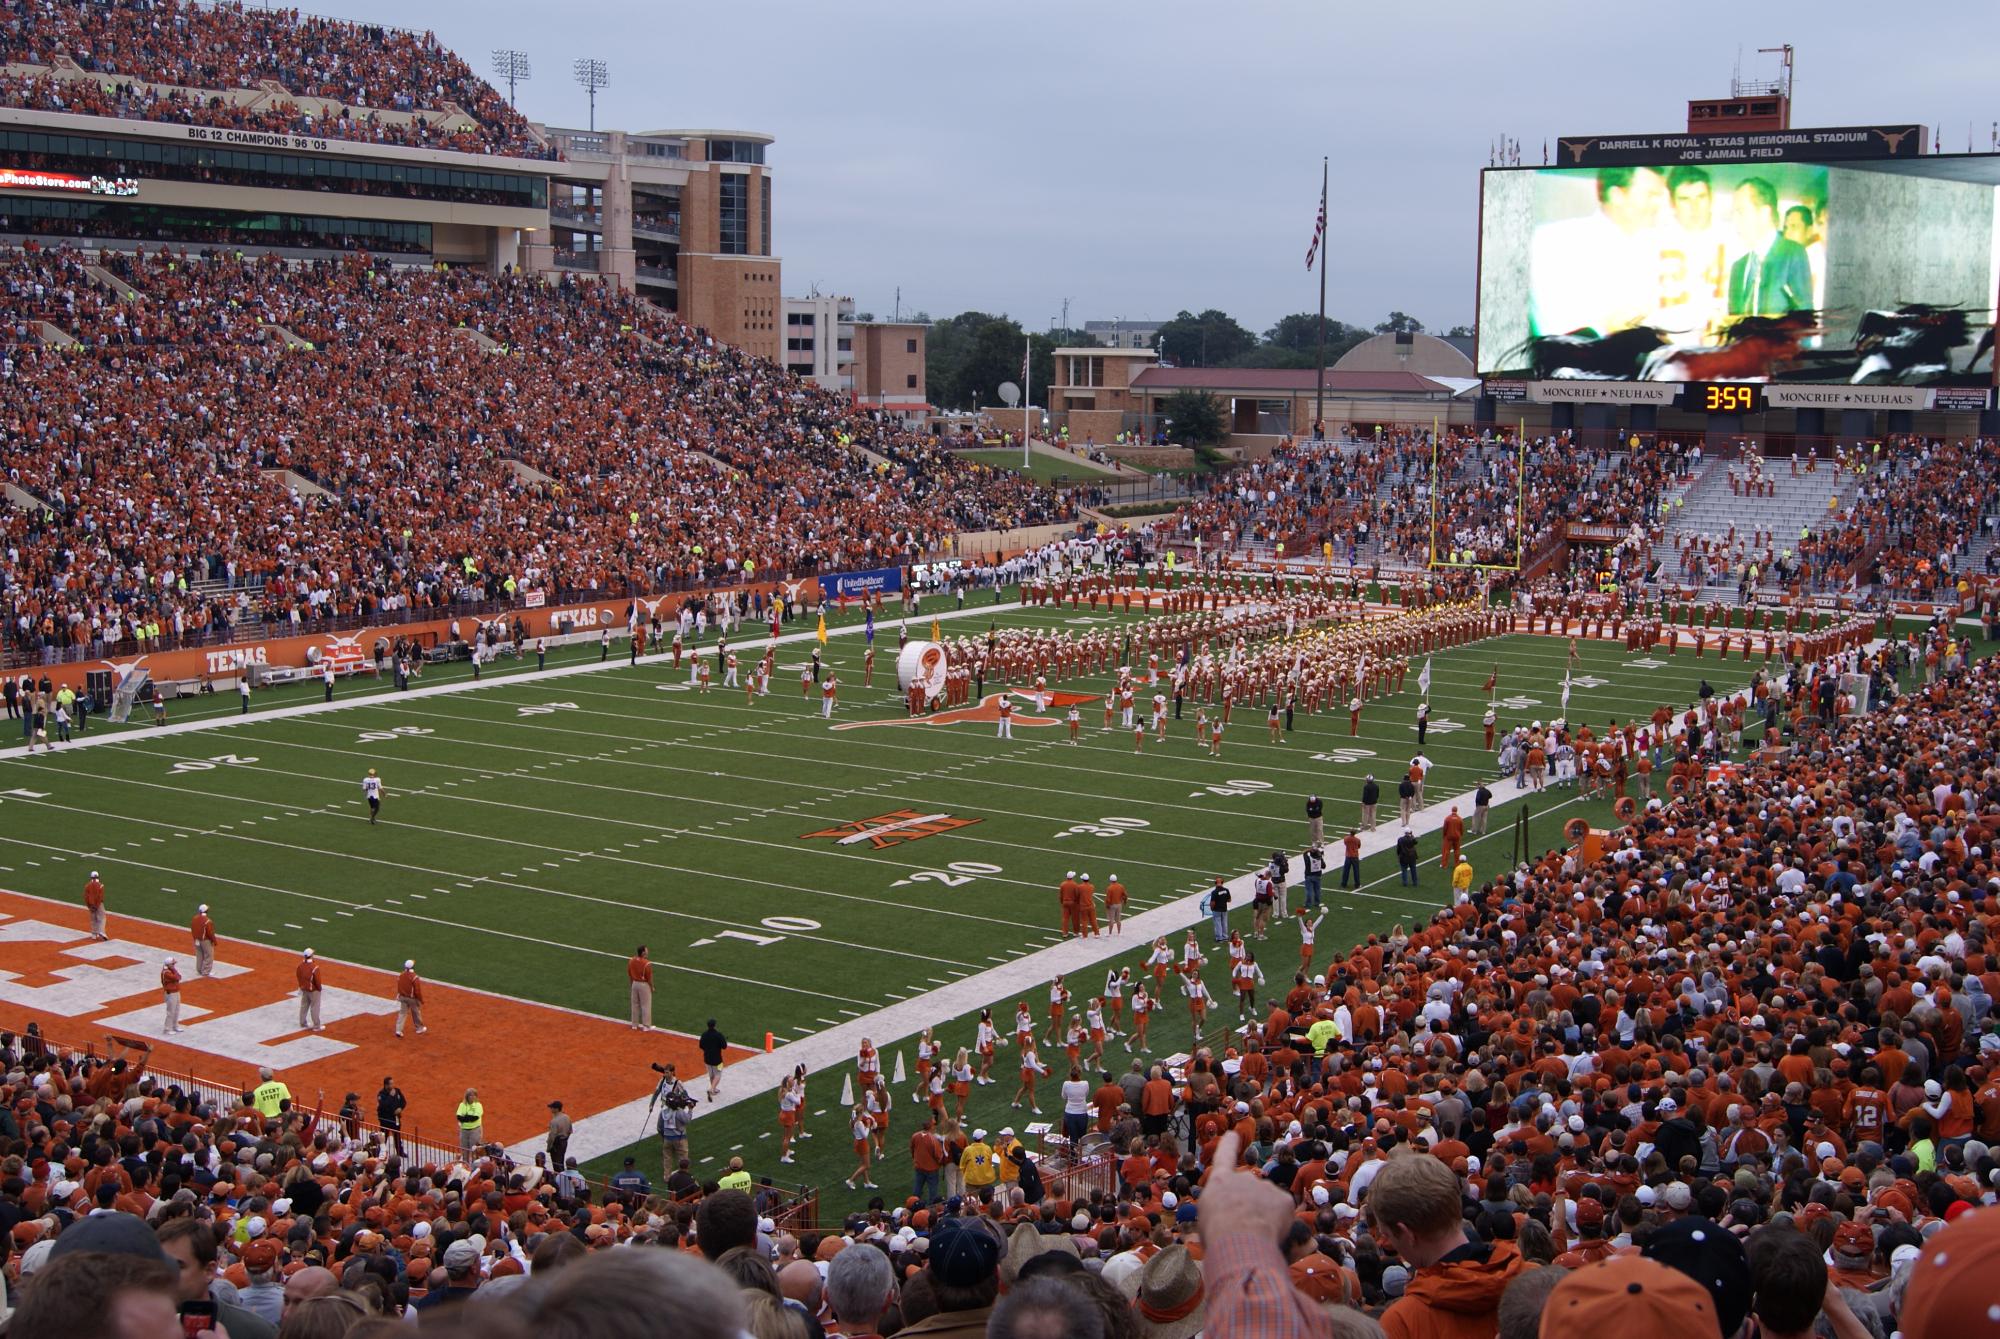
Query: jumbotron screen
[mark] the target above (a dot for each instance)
(1881, 274)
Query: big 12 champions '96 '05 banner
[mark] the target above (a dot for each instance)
(860, 585)
(922, 663)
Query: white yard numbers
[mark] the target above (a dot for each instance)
(1441, 726)
(1229, 788)
(393, 733)
(1520, 702)
(548, 709)
(1590, 681)
(955, 875)
(1104, 827)
(1343, 756)
(1085, 621)
(209, 765)
(1646, 662)
(785, 926)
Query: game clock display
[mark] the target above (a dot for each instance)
(1723, 397)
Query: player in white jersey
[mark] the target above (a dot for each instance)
(371, 790)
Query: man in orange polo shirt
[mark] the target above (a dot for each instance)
(203, 931)
(307, 974)
(410, 999)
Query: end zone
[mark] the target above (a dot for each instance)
(519, 1055)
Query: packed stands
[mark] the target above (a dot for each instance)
(271, 70)
(1761, 1023)
(466, 437)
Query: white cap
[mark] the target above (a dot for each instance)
(409, 964)
(1114, 878)
(172, 961)
(93, 874)
(1084, 875)
(1069, 874)
(203, 908)
(309, 953)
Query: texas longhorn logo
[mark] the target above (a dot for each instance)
(986, 710)
(891, 829)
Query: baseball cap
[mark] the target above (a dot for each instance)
(460, 1256)
(1853, 1239)
(109, 1234)
(963, 1254)
(1633, 1296)
(1950, 1289)
(1713, 1257)
(259, 1255)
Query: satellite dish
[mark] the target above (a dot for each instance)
(1010, 394)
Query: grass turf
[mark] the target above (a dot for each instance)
(534, 831)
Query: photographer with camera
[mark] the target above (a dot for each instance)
(675, 1102)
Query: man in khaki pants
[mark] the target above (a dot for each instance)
(410, 999)
(307, 973)
(640, 970)
(203, 930)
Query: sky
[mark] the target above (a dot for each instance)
(1139, 158)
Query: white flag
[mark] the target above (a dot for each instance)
(1424, 678)
(1565, 702)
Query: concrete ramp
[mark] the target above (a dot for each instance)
(478, 338)
(55, 336)
(277, 334)
(111, 283)
(21, 499)
(298, 483)
(525, 472)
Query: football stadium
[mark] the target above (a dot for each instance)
(516, 753)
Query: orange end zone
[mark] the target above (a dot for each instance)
(519, 1055)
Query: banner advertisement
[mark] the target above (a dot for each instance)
(1762, 146)
(1604, 392)
(1847, 397)
(860, 585)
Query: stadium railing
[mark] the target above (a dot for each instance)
(228, 1096)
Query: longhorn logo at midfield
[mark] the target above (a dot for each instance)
(986, 709)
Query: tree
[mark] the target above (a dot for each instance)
(1400, 324)
(967, 356)
(1211, 339)
(1294, 342)
(1193, 417)
(1459, 332)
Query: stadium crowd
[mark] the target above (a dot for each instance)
(193, 47)
(1739, 1073)
(466, 437)
(1371, 498)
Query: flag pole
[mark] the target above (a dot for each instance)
(1027, 395)
(1319, 362)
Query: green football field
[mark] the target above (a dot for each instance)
(538, 827)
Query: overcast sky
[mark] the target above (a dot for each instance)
(1141, 156)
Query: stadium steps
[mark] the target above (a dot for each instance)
(298, 483)
(20, 498)
(525, 472)
(280, 335)
(479, 339)
(1710, 508)
(55, 335)
(112, 284)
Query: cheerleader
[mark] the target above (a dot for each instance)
(1198, 1000)
(1115, 983)
(1024, 1025)
(789, 1100)
(1058, 1001)
(927, 1050)
(1159, 963)
(1201, 726)
(863, 1129)
(1073, 1038)
(1093, 1022)
(799, 1082)
(1142, 1017)
(961, 1080)
(1308, 929)
(987, 1040)
(937, 1083)
(1246, 976)
(876, 1101)
(1032, 1068)
(1191, 954)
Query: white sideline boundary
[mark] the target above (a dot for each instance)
(609, 1131)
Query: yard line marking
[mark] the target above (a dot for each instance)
(348, 914)
(322, 920)
(293, 925)
(267, 932)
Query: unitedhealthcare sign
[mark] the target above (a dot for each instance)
(861, 585)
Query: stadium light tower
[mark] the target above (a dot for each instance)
(512, 66)
(593, 75)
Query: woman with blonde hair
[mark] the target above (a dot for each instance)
(791, 1099)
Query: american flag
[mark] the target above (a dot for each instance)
(1319, 231)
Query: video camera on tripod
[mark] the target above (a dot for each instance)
(670, 1091)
